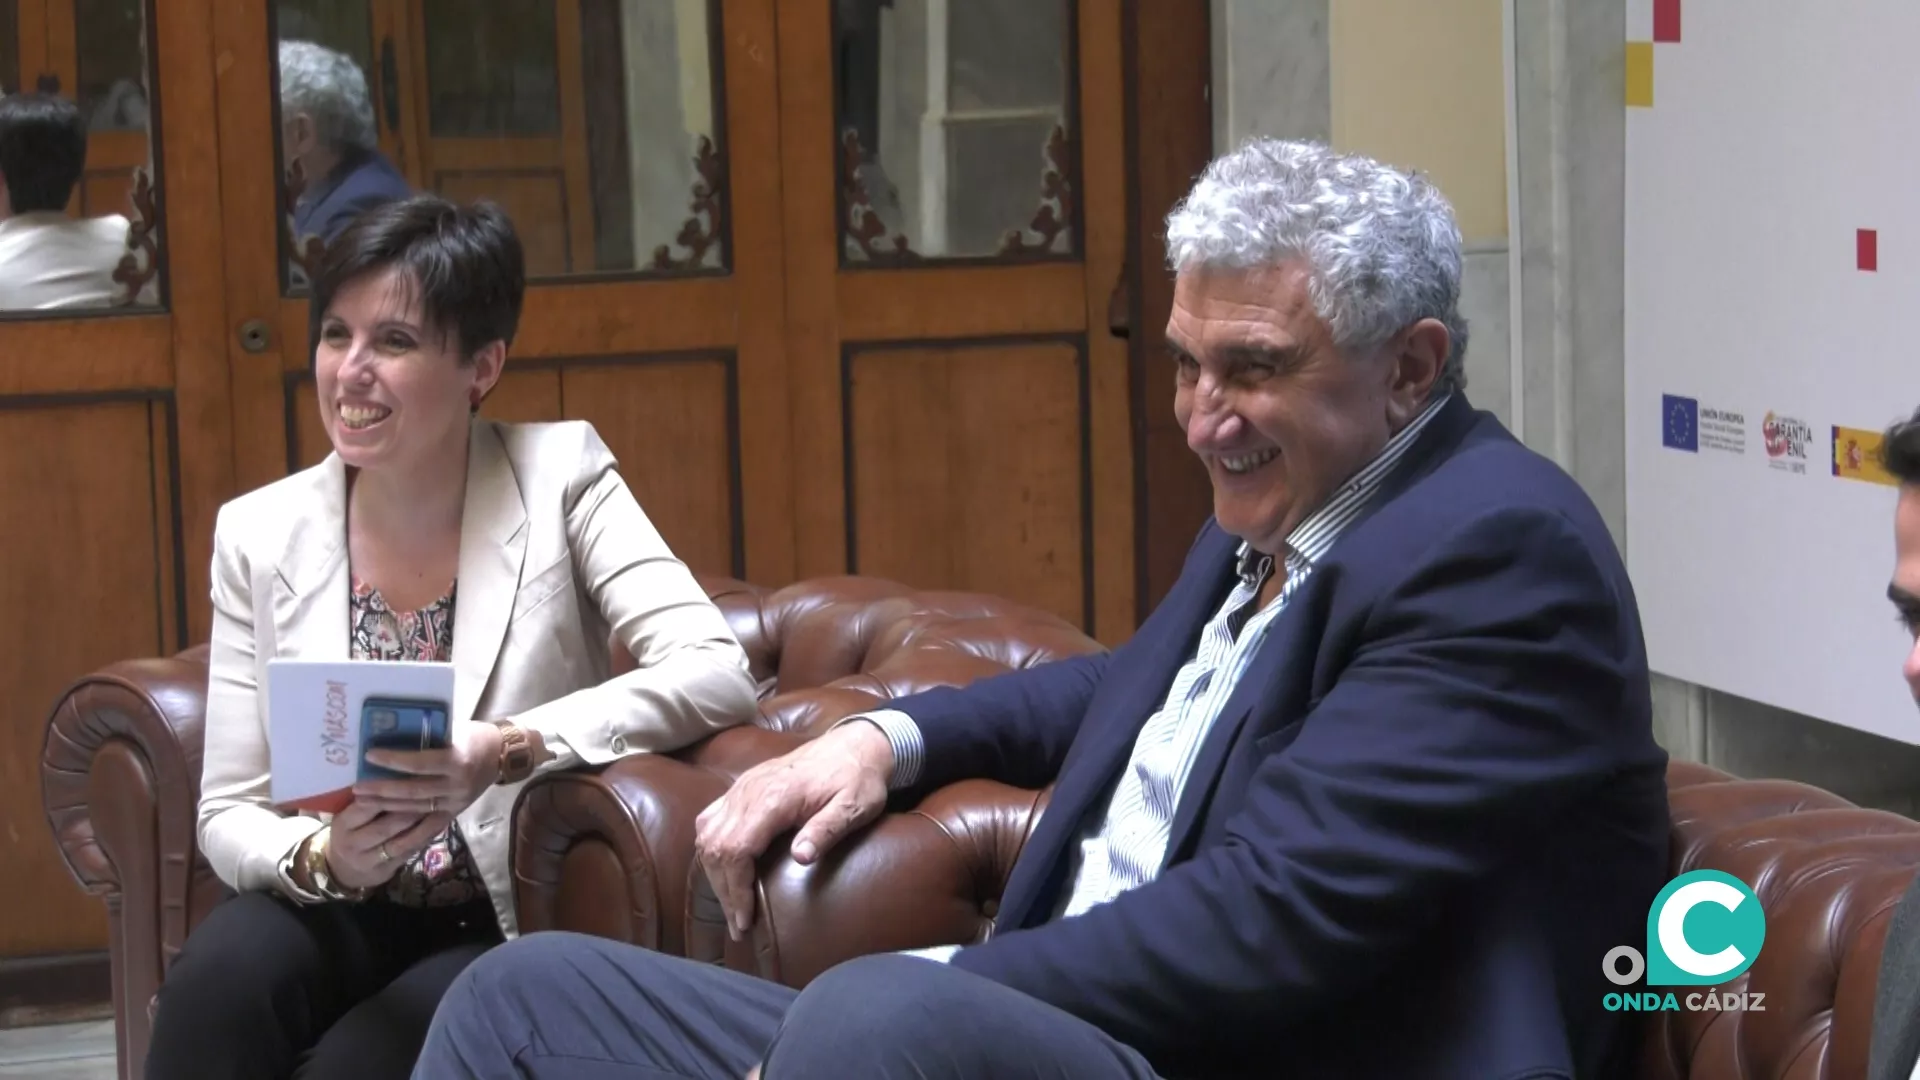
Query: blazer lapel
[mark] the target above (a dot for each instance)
(1165, 643)
(1256, 682)
(311, 587)
(493, 547)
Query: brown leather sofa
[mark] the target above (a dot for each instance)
(610, 852)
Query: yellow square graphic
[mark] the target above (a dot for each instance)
(1856, 456)
(1640, 74)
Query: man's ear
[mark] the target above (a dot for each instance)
(1420, 356)
(301, 132)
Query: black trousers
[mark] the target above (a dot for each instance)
(266, 989)
(553, 1006)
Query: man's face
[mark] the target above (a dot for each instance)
(1904, 591)
(1279, 415)
(298, 137)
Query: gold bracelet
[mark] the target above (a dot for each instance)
(320, 872)
(516, 754)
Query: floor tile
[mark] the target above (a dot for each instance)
(99, 1068)
(58, 1052)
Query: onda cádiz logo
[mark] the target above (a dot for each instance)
(1704, 928)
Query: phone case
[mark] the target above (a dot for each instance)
(388, 723)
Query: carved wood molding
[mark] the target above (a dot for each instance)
(861, 221)
(1049, 231)
(1054, 218)
(142, 261)
(696, 235)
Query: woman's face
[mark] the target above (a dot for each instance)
(393, 390)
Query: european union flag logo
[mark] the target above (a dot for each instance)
(1680, 423)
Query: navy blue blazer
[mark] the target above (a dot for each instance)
(357, 184)
(1431, 806)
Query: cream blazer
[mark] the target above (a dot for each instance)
(554, 554)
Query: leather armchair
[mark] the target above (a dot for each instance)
(609, 852)
(605, 851)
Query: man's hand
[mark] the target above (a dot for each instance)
(827, 788)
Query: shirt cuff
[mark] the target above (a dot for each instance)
(290, 887)
(909, 749)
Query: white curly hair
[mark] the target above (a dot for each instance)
(331, 88)
(1380, 244)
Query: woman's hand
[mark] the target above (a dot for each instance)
(368, 845)
(439, 781)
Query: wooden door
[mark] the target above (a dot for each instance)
(645, 327)
(955, 213)
(115, 453)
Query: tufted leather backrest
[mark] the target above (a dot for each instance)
(1829, 875)
(825, 648)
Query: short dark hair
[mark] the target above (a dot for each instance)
(463, 263)
(1900, 450)
(43, 150)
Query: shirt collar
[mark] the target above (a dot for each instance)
(1310, 540)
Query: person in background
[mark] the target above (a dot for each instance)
(1895, 1049)
(329, 145)
(47, 259)
(342, 933)
(1370, 794)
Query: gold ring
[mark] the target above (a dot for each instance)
(384, 857)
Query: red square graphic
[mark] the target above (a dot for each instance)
(1866, 244)
(1666, 21)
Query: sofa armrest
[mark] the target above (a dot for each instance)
(120, 783)
(122, 758)
(929, 876)
(607, 851)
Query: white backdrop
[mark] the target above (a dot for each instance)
(1776, 131)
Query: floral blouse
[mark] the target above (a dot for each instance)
(443, 872)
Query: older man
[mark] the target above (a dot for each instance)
(329, 142)
(1370, 794)
(1895, 1052)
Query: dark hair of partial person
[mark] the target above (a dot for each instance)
(1900, 450)
(462, 264)
(43, 150)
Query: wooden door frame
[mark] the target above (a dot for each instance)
(171, 355)
(1169, 123)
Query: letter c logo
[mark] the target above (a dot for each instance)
(1673, 921)
(1704, 928)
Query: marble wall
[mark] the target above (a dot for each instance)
(1271, 76)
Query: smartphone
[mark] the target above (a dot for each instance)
(391, 723)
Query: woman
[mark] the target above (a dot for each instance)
(429, 534)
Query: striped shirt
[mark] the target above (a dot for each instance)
(1128, 845)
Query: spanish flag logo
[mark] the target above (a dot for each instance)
(1856, 456)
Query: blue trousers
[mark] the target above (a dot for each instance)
(564, 1005)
